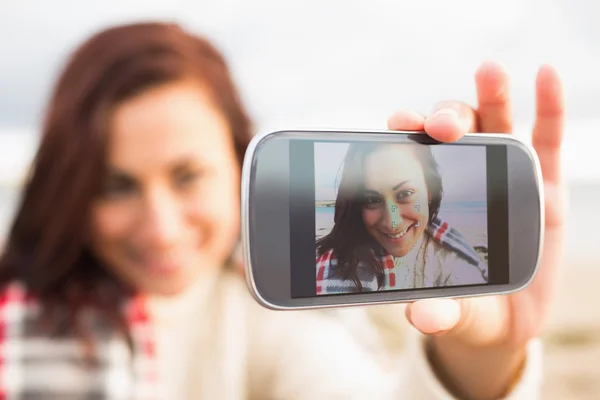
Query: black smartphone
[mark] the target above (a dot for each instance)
(340, 218)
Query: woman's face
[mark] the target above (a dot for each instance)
(169, 210)
(395, 210)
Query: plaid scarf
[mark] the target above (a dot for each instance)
(33, 365)
(330, 282)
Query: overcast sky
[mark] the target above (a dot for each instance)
(342, 63)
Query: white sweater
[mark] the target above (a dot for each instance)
(215, 342)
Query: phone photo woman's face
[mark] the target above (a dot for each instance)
(168, 211)
(395, 199)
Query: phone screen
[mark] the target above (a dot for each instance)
(377, 216)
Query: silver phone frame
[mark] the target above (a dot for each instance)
(245, 213)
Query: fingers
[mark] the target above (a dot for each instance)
(548, 129)
(406, 120)
(450, 121)
(493, 98)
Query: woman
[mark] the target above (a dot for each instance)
(115, 275)
(387, 234)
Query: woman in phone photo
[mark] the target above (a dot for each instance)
(387, 234)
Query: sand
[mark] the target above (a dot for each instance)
(572, 356)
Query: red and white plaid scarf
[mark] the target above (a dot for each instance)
(33, 365)
(330, 282)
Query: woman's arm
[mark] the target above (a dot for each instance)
(486, 373)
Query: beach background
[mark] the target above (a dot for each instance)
(349, 64)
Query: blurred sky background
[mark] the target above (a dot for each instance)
(335, 63)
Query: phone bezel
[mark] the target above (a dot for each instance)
(271, 286)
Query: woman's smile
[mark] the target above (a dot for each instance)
(166, 263)
(397, 237)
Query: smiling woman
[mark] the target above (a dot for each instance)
(133, 194)
(165, 204)
(387, 234)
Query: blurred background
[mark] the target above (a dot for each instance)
(349, 64)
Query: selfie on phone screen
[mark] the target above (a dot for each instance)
(402, 217)
(347, 217)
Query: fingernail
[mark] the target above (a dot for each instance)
(447, 113)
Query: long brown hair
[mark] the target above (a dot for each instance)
(46, 247)
(349, 238)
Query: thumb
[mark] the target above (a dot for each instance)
(476, 321)
(434, 316)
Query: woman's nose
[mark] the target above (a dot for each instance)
(394, 215)
(162, 220)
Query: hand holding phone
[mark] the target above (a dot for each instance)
(477, 330)
(512, 319)
(336, 218)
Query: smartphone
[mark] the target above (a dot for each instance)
(341, 218)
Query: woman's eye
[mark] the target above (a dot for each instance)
(118, 188)
(371, 200)
(187, 178)
(404, 194)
